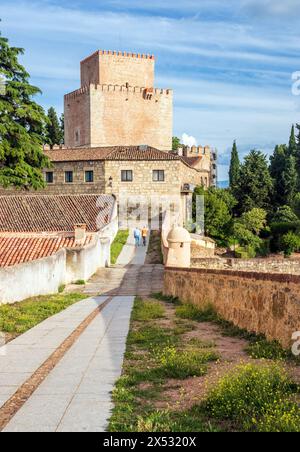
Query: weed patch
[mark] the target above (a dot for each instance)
(147, 310)
(247, 393)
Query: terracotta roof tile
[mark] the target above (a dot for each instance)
(56, 213)
(191, 161)
(16, 249)
(109, 153)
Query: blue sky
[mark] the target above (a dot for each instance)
(229, 62)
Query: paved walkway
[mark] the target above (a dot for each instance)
(75, 395)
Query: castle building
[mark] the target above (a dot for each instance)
(118, 137)
(118, 104)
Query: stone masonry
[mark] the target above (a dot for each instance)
(118, 104)
(263, 303)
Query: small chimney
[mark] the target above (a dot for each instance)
(80, 232)
(180, 152)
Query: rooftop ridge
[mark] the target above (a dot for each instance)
(120, 53)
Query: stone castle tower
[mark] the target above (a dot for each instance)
(117, 104)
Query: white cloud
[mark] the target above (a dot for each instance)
(188, 140)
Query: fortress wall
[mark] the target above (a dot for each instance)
(263, 303)
(77, 118)
(128, 117)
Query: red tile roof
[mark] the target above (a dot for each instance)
(191, 161)
(16, 249)
(109, 153)
(55, 213)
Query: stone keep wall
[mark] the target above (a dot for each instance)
(125, 116)
(77, 118)
(118, 68)
(79, 186)
(267, 304)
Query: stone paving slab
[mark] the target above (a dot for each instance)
(24, 355)
(76, 395)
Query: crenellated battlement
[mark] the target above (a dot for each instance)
(119, 54)
(78, 92)
(148, 94)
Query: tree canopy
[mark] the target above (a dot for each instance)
(255, 183)
(22, 124)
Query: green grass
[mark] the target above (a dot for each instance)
(80, 282)
(19, 317)
(150, 336)
(259, 347)
(181, 364)
(117, 245)
(147, 310)
(189, 311)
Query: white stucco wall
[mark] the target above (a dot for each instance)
(39, 277)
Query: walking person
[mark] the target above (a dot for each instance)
(137, 236)
(144, 235)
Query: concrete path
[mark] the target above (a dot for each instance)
(75, 396)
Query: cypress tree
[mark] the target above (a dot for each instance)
(234, 170)
(22, 124)
(292, 142)
(54, 133)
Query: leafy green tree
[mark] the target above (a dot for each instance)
(284, 174)
(175, 143)
(234, 170)
(296, 204)
(22, 125)
(217, 213)
(255, 183)
(255, 220)
(292, 142)
(285, 214)
(54, 132)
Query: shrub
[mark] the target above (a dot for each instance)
(247, 392)
(183, 364)
(247, 252)
(290, 243)
(285, 215)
